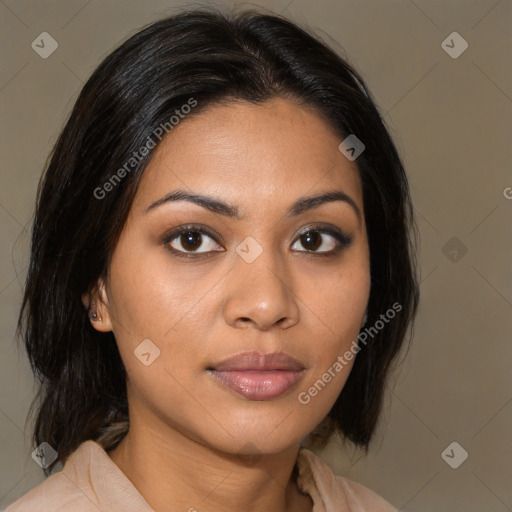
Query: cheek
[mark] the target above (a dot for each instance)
(167, 392)
(321, 391)
(339, 304)
(148, 296)
(152, 300)
(338, 297)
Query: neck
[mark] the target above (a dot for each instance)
(175, 473)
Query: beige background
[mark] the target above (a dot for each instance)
(452, 123)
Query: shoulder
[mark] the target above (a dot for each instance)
(57, 493)
(363, 499)
(333, 491)
(88, 482)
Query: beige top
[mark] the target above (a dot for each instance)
(90, 481)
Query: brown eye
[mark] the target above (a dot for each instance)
(325, 241)
(311, 240)
(190, 241)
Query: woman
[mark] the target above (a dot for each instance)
(222, 274)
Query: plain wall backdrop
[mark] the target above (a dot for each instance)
(450, 113)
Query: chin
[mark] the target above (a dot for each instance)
(257, 434)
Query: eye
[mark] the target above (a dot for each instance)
(188, 240)
(323, 241)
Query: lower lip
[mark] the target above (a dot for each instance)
(258, 384)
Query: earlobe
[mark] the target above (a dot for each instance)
(96, 303)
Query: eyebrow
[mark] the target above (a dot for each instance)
(215, 205)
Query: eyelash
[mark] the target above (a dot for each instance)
(344, 240)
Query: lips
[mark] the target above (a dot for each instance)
(258, 376)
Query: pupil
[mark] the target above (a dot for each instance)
(312, 240)
(192, 239)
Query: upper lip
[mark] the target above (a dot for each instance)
(259, 361)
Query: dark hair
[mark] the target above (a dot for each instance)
(209, 57)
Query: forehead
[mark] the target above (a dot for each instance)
(259, 156)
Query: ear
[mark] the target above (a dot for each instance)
(95, 301)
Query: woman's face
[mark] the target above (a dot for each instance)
(272, 280)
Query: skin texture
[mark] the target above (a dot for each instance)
(187, 430)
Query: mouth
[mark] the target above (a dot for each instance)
(258, 376)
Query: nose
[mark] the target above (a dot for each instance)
(260, 293)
